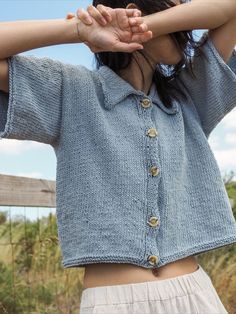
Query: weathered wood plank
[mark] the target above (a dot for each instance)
(23, 191)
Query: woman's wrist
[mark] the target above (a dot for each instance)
(20, 36)
(75, 31)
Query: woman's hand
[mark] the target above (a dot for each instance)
(113, 29)
(100, 14)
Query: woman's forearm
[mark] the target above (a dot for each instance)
(198, 14)
(20, 36)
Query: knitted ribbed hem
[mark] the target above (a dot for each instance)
(81, 262)
(209, 246)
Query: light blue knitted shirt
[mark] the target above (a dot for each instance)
(136, 182)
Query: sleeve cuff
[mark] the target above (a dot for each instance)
(7, 106)
(230, 66)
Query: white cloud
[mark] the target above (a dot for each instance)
(226, 159)
(229, 121)
(214, 141)
(17, 147)
(230, 139)
(36, 175)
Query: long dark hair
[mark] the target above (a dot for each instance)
(163, 74)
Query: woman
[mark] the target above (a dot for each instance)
(139, 193)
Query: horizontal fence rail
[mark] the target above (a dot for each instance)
(23, 191)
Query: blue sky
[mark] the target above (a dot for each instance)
(38, 160)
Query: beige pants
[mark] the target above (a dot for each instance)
(191, 293)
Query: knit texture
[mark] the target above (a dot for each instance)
(105, 191)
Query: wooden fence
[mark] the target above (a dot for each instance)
(32, 279)
(23, 191)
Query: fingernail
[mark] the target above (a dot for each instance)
(133, 20)
(143, 27)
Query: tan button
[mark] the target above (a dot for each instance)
(153, 259)
(146, 103)
(154, 171)
(152, 132)
(153, 222)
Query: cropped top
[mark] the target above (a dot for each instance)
(136, 182)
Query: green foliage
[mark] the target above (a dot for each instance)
(43, 294)
(220, 264)
(3, 217)
(231, 190)
(35, 282)
(7, 303)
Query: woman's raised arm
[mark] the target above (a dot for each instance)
(195, 14)
(216, 15)
(20, 36)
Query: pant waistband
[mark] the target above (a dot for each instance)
(149, 290)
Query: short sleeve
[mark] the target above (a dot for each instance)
(213, 91)
(32, 109)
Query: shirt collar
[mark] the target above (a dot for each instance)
(116, 89)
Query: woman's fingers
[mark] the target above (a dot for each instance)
(70, 16)
(142, 37)
(84, 16)
(133, 12)
(104, 12)
(97, 15)
(135, 21)
(140, 28)
(102, 15)
(120, 46)
(124, 47)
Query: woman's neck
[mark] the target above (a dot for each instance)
(133, 75)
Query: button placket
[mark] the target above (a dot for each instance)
(153, 174)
